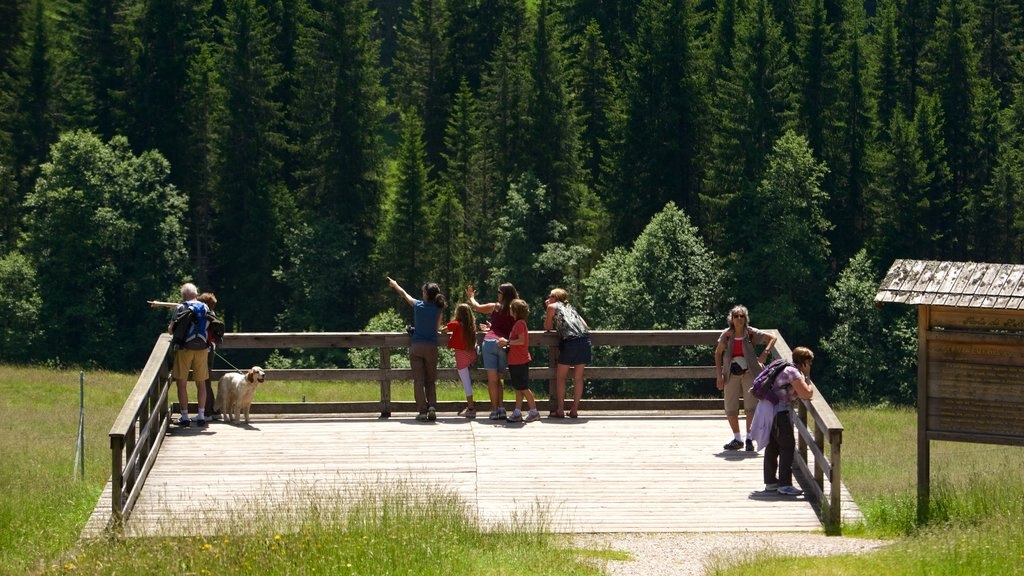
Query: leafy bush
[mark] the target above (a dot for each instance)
(872, 351)
(19, 307)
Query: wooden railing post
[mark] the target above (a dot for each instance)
(552, 381)
(835, 493)
(116, 477)
(385, 383)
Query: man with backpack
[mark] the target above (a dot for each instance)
(190, 340)
(736, 364)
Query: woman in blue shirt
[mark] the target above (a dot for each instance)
(426, 315)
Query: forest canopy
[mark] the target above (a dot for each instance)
(287, 154)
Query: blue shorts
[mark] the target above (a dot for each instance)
(575, 351)
(495, 358)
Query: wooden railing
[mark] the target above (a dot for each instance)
(140, 427)
(138, 431)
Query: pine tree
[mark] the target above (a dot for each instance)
(33, 123)
(854, 128)
(940, 212)
(888, 75)
(421, 70)
(754, 106)
(661, 135)
(99, 58)
(338, 115)
(166, 36)
(818, 79)
(1003, 197)
(951, 65)
(790, 198)
(554, 138)
(404, 244)
(504, 102)
(468, 176)
(248, 170)
(998, 21)
(599, 105)
(916, 23)
(205, 112)
(897, 200)
(476, 28)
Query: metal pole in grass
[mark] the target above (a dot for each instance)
(80, 448)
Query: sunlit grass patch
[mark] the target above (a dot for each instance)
(394, 527)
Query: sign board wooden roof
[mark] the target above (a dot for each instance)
(957, 284)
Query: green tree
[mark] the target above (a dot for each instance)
(166, 35)
(898, 205)
(10, 210)
(105, 234)
(19, 308)
(789, 292)
(754, 106)
(871, 351)
(1003, 196)
(475, 29)
(32, 120)
(521, 229)
(887, 72)
(657, 156)
(404, 245)
(421, 71)
(853, 131)
(248, 170)
(951, 70)
(206, 115)
(338, 114)
(505, 104)
(998, 21)
(600, 110)
(667, 280)
(939, 205)
(554, 135)
(469, 176)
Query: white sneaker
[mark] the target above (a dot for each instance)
(789, 491)
(532, 416)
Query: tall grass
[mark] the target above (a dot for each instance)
(45, 505)
(976, 508)
(382, 529)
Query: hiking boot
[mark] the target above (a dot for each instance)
(516, 416)
(431, 414)
(493, 415)
(421, 417)
(733, 445)
(750, 445)
(184, 422)
(789, 490)
(532, 416)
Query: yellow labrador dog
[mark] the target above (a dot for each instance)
(235, 391)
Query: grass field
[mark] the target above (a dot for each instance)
(977, 527)
(977, 509)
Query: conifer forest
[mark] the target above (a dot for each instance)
(662, 160)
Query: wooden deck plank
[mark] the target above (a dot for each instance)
(605, 473)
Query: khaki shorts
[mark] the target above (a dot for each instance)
(186, 359)
(735, 385)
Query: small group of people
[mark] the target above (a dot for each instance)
(737, 363)
(195, 353)
(505, 345)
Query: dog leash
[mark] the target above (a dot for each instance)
(233, 367)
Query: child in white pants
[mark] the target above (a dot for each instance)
(463, 341)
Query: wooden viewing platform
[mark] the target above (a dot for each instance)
(603, 472)
(630, 464)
